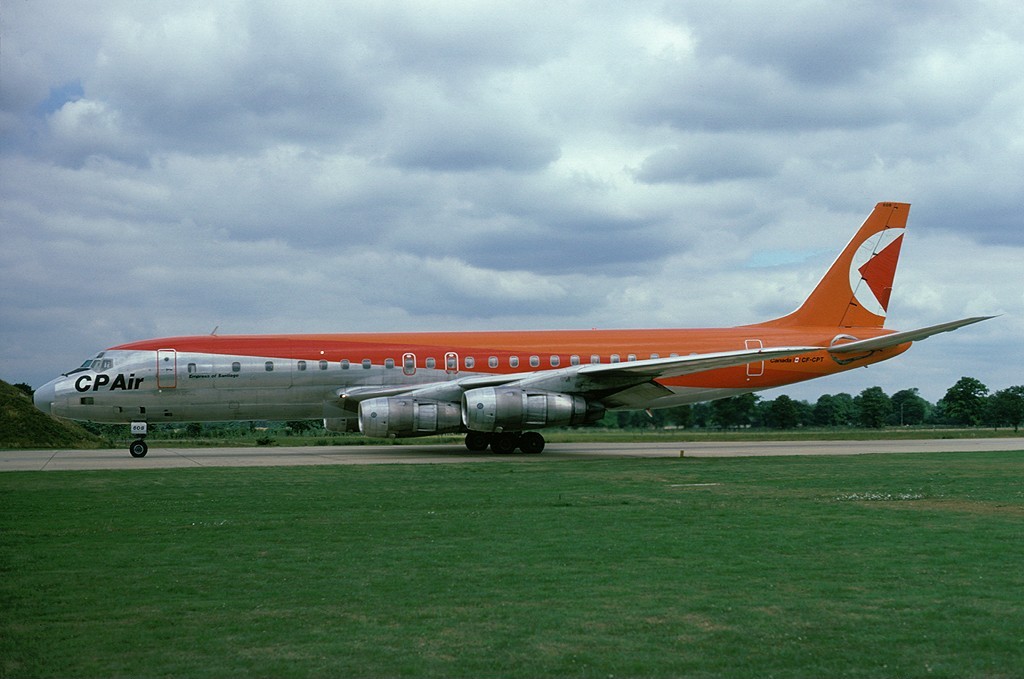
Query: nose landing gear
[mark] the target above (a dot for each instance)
(138, 447)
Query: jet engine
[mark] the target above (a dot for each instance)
(402, 417)
(496, 409)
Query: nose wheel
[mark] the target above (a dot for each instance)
(138, 448)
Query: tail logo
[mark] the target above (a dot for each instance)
(873, 268)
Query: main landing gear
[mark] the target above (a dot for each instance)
(529, 442)
(138, 447)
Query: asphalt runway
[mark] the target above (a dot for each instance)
(160, 457)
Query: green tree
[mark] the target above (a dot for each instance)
(735, 412)
(680, 416)
(834, 410)
(700, 415)
(908, 407)
(300, 426)
(874, 408)
(1008, 406)
(783, 413)
(634, 419)
(964, 402)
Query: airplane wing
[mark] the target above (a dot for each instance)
(605, 379)
(631, 380)
(598, 375)
(897, 338)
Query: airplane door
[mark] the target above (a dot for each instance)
(755, 369)
(166, 368)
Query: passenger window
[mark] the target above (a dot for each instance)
(236, 367)
(513, 361)
(431, 363)
(555, 361)
(366, 364)
(574, 360)
(389, 363)
(323, 365)
(534, 361)
(594, 358)
(631, 357)
(470, 362)
(492, 362)
(269, 366)
(655, 356)
(344, 364)
(615, 358)
(301, 365)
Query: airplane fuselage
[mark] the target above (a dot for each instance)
(217, 378)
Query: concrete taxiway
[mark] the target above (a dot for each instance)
(169, 457)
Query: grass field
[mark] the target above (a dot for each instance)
(865, 566)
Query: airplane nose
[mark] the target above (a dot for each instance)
(44, 396)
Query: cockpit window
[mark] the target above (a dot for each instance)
(96, 363)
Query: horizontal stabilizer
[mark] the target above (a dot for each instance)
(897, 338)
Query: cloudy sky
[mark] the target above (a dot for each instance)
(167, 168)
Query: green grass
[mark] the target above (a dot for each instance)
(864, 566)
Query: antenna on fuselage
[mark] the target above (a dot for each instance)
(213, 333)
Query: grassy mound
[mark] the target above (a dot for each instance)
(23, 426)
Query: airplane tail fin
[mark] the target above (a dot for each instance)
(855, 291)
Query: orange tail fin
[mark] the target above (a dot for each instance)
(855, 291)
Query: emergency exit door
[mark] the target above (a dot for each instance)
(755, 369)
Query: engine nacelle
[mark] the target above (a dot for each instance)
(402, 417)
(496, 409)
(341, 424)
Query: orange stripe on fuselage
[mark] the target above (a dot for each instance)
(544, 343)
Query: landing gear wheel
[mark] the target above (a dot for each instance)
(531, 443)
(477, 441)
(138, 448)
(505, 443)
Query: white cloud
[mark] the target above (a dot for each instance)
(344, 166)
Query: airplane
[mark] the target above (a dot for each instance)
(496, 387)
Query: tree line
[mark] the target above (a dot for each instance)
(967, 403)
